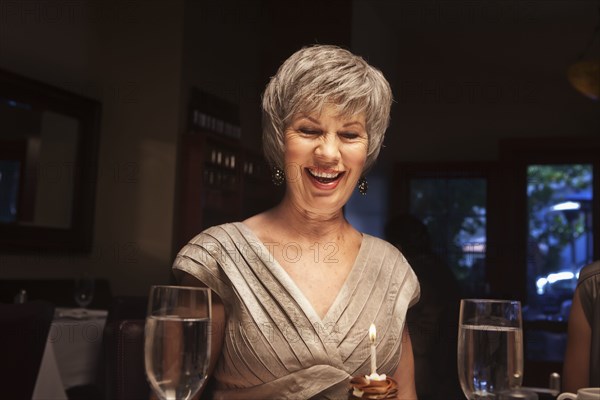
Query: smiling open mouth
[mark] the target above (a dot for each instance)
(324, 177)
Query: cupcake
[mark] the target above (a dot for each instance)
(373, 387)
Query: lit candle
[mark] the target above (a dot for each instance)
(372, 336)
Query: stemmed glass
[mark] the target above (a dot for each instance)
(490, 347)
(83, 291)
(177, 340)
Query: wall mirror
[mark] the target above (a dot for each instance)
(48, 161)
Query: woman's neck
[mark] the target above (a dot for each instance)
(310, 225)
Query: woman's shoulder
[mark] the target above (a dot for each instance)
(589, 271)
(395, 263)
(389, 254)
(383, 247)
(222, 233)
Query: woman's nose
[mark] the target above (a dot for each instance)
(328, 149)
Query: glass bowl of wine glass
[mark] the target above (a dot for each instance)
(83, 291)
(490, 347)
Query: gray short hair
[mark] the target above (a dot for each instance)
(315, 75)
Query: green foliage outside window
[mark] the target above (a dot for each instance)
(552, 231)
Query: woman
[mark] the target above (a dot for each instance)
(297, 286)
(582, 357)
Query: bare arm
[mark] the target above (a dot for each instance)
(577, 356)
(405, 373)
(217, 327)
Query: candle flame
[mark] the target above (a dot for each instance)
(372, 333)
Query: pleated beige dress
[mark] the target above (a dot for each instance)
(275, 344)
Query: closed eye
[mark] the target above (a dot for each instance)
(310, 131)
(349, 135)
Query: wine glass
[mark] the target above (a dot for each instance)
(177, 340)
(83, 291)
(490, 347)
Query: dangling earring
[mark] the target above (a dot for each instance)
(363, 186)
(277, 176)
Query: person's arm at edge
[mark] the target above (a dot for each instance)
(577, 355)
(405, 373)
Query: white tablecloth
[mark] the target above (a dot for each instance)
(49, 385)
(73, 349)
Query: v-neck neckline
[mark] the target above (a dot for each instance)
(349, 285)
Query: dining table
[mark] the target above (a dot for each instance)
(72, 354)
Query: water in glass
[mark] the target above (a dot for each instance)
(177, 355)
(490, 348)
(177, 341)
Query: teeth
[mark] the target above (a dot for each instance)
(326, 175)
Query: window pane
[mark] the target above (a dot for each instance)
(559, 206)
(454, 210)
(560, 233)
(9, 190)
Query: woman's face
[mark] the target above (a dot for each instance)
(324, 157)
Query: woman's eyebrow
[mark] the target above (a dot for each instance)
(347, 124)
(317, 122)
(311, 119)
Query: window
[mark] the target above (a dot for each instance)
(559, 208)
(550, 231)
(520, 228)
(452, 201)
(454, 211)
(560, 243)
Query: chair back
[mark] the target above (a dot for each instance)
(125, 377)
(124, 351)
(23, 336)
